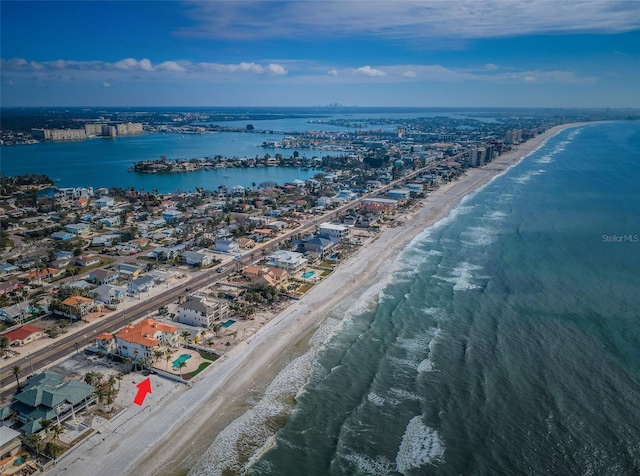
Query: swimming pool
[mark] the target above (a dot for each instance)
(183, 358)
(308, 274)
(228, 323)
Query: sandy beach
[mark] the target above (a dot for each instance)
(171, 430)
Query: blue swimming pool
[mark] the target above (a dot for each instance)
(228, 323)
(308, 274)
(183, 358)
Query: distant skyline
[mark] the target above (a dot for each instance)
(457, 53)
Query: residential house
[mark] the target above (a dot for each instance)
(12, 313)
(319, 244)
(333, 230)
(86, 260)
(7, 287)
(227, 246)
(78, 229)
(61, 235)
(8, 268)
(198, 311)
(76, 307)
(289, 260)
(104, 202)
(139, 340)
(171, 215)
(195, 258)
(246, 243)
(47, 396)
(10, 443)
(269, 275)
(109, 294)
(47, 274)
(399, 194)
(23, 335)
(127, 270)
(140, 284)
(103, 276)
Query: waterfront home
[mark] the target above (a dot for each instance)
(139, 340)
(399, 194)
(227, 246)
(288, 260)
(269, 275)
(333, 230)
(198, 311)
(47, 396)
(23, 335)
(319, 244)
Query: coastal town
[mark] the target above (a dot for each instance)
(98, 284)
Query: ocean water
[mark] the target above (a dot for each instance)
(507, 340)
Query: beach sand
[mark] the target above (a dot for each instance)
(167, 437)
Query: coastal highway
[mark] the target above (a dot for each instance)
(66, 344)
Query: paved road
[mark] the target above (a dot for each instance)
(67, 344)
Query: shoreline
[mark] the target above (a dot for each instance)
(162, 437)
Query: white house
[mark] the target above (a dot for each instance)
(104, 202)
(139, 340)
(195, 258)
(227, 246)
(197, 311)
(108, 293)
(289, 260)
(333, 230)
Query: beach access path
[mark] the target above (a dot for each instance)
(155, 438)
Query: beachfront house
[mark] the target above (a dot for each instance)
(201, 312)
(288, 260)
(75, 307)
(103, 276)
(138, 341)
(334, 230)
(47, 396)
(265, 275)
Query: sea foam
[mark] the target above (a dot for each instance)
(420, 445)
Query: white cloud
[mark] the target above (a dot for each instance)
(409, 74)
(106, 84)
(369, 71)
(409, 19)
(333, 72)
(490, 67)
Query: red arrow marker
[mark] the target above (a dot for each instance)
(144, 387)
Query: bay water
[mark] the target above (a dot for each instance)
(506, 341)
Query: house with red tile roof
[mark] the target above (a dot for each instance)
(23, 335)
(139, 340)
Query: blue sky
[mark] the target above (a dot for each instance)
(450, 53)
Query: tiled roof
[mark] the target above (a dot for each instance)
(74, 301)
(142, 332)
(21, 332)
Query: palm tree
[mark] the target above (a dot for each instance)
(46, 424)
(182, 364)
(185, 335)
(57, 430)
(157, 353)
(16, 371)
(167, 358)
(4, 345)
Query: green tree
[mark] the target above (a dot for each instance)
(16, 371)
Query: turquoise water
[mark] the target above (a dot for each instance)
(183, 358)
(308, 274)
(228, 323)
(506, 342)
